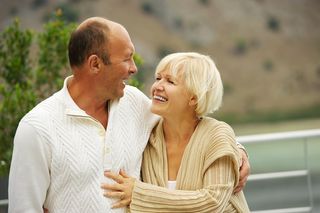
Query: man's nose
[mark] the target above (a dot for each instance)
(133, 68)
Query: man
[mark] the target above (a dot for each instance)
(94, 123)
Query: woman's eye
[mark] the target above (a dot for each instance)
(171, 82)
(158, 78)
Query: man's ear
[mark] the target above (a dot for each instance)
(94, 63)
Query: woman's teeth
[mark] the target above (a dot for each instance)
(159, 98)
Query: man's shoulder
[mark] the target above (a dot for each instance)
(134, 94)
(133, 90)
(43, 110)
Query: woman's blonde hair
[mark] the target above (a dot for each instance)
(201, 77)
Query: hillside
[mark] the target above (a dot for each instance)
(268, 52)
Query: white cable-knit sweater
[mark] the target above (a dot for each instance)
(60, 152)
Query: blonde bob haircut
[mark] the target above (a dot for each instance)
(201, 77)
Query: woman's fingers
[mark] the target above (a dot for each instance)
(121, 203)
(112, 187)
(121, 190)
(123, 173)
(113, 194)
(116, 177)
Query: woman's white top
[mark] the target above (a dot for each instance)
(171, 184)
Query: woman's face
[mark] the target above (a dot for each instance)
(169, 95)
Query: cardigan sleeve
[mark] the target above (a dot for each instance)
(218, 180)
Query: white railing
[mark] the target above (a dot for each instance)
(303, 134)
(271, 137)
(3, 202)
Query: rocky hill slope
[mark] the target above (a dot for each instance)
(268, 52)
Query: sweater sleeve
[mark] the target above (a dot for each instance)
(29, 173)
(218, 180)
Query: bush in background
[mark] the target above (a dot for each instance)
(31, 68)
(16, 88)
(273, 23)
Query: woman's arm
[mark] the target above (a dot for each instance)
(218, 180)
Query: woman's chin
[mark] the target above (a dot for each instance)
(156, 111)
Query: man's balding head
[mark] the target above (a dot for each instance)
(91, 37)
(94, 20)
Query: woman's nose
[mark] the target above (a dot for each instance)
(159, 85)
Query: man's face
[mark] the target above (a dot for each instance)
(121, 64)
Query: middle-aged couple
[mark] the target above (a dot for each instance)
(98, 145)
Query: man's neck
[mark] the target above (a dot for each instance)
(83, 96)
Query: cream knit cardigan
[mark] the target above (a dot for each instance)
(208, 173)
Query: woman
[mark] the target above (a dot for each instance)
(191, 163)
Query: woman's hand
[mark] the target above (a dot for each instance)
(244, 171)
(121, 190)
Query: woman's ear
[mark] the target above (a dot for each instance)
(94, 63)
(193, 100)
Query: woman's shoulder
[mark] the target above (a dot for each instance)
(214, 133)
(215, 126)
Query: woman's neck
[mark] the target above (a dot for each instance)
(179, 130)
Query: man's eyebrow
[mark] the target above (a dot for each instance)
(129, 54)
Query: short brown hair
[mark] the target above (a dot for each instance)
(88, 40)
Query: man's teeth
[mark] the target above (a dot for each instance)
(159, 98)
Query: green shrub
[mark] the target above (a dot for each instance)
(28, 78)
(52, 61)
(268, 65)
(38, 3)
(273, 23)
(164, 51)
(147, 8)
(205, 2)
(241, 47)
(65, 12)
(15, 90)
(178, 23)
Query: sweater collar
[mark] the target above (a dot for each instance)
(72, 108)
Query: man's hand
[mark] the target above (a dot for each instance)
(244, 171)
